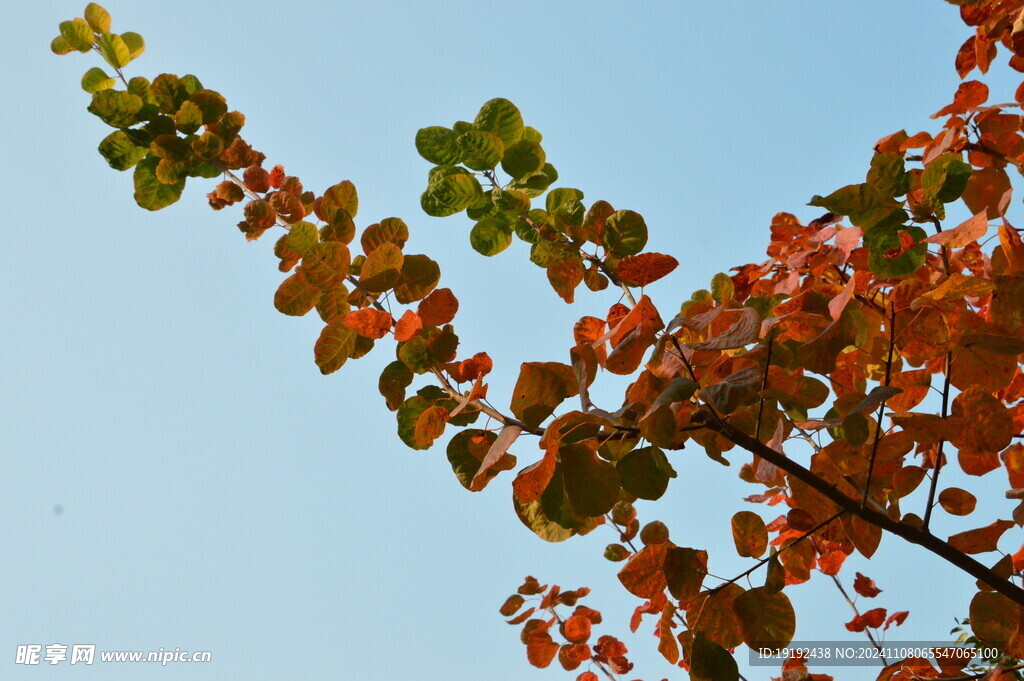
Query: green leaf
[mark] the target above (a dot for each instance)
(60, 46)
(457, 191)
(438, 145)
(710, 661)
(766, 619)
(420, 275)
(536, 519)
(466, 452)
(95, 80)
(342, 196)
(151, 193)
(136, 45)
(591, 484)
(302, 236)
(945, 179)
(490, 237)
(114, 50)
(97, 18)
(522, 159)
(420, 422)
(625, 233)
(120, 151)
(722, 288)
(538, 183)
(540, 388)
(501, 117)
(888, 175)
(168, 92)
(645, 472)
(883, 240)
(189, 118)
(531, 135)
(78, 34)
(429, 349)
(116, 108)
(558, 197)
(382, 268)
(853, 200)
(480, 150)
(395, 378)
(211, 103)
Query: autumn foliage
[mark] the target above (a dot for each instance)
(875, 346)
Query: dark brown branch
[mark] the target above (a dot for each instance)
(914, 535)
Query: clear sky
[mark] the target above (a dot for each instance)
(218, 493)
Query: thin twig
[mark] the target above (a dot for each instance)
(881, 407)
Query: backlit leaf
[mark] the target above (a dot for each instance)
(766, 619)
(749, 534)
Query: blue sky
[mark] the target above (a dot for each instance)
(218, 493)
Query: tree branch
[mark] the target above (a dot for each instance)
(914, 535)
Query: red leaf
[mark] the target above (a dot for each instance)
(865, 586)
(646, 268)
(896, 618)
(576, 629)
(277, 176)
(368, 322)
(439, 307)
(643, 576)
(872, 618)
(541, 649)
(408, 326)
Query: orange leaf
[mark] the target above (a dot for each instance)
(408, 326)
(970, 230)
(957, 501)
(368, 322)
(981, 540)
(969, 95)
(643, 575)
(438, 308)
(646, 268)
(276, 176)
(533, 480)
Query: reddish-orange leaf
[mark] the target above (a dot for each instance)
(277, 176)
(872, 618)
(438, 308)
(576, 629)
(540, 649)
(865, 586)
(1013, 248)
(511, 605)
(981, 540)
(587, 676)
(896, 618)
(477, 366)
(970, 230)
(969, 95)
(643, 269)
(643, 575)
(408, 326)
(533, 480)
(957, 501)
(368, 322)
